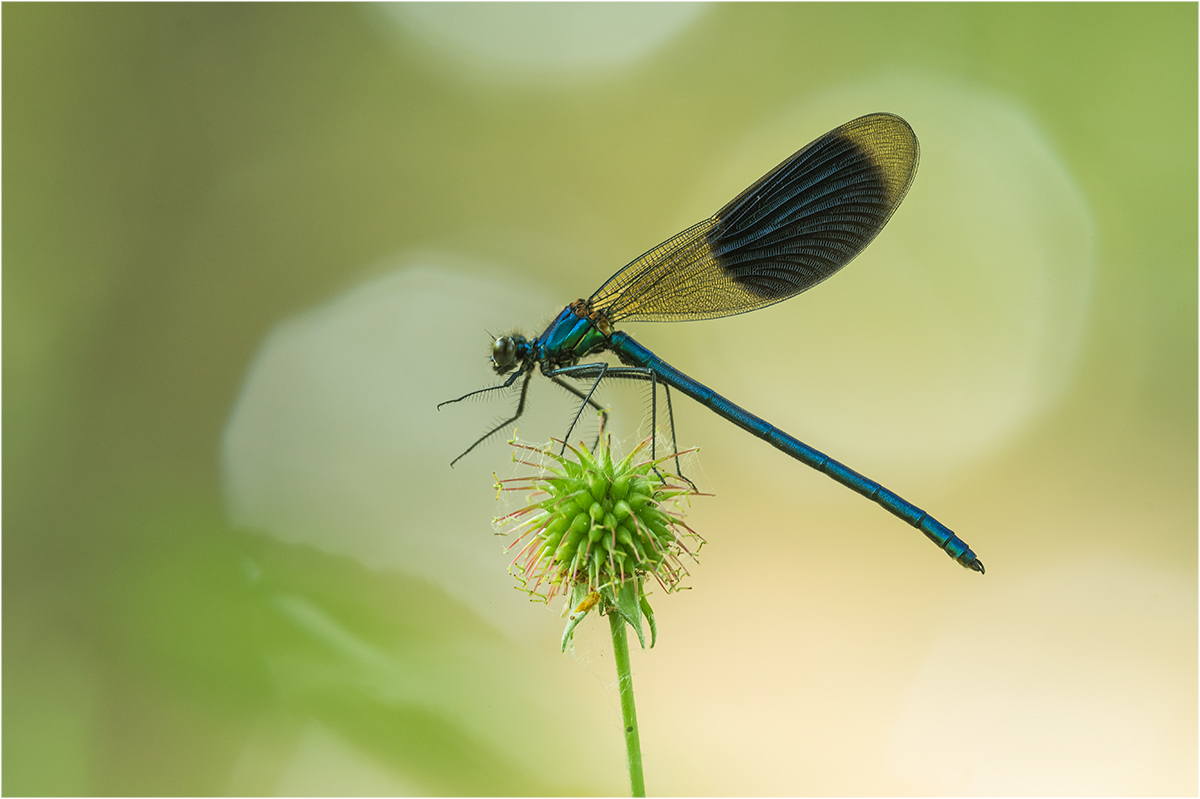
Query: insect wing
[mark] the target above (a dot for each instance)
(796, 226)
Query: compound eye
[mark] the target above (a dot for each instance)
(504, 352)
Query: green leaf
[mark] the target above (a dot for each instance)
(649, 613)
(630, 608)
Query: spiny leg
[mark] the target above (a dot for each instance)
(674, 443)
(484, 390)
(587, 399)
(506, 422)
(601, 369)
(654, 428)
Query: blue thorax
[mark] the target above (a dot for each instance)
(568, 338)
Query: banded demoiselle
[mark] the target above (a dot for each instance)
(796, 226)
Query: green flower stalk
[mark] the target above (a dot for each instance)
(593, 531)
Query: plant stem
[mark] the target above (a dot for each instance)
(633, 746)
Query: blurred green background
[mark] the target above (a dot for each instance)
(247, 248)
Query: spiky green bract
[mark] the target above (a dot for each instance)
(595, 529)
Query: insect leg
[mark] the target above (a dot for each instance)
(506, 422)
(484, 390)
(587, 399)
(602, 370)
(674, 443)
(597, 369)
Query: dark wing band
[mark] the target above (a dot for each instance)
(796, 226)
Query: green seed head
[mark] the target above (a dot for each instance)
(593, 526)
